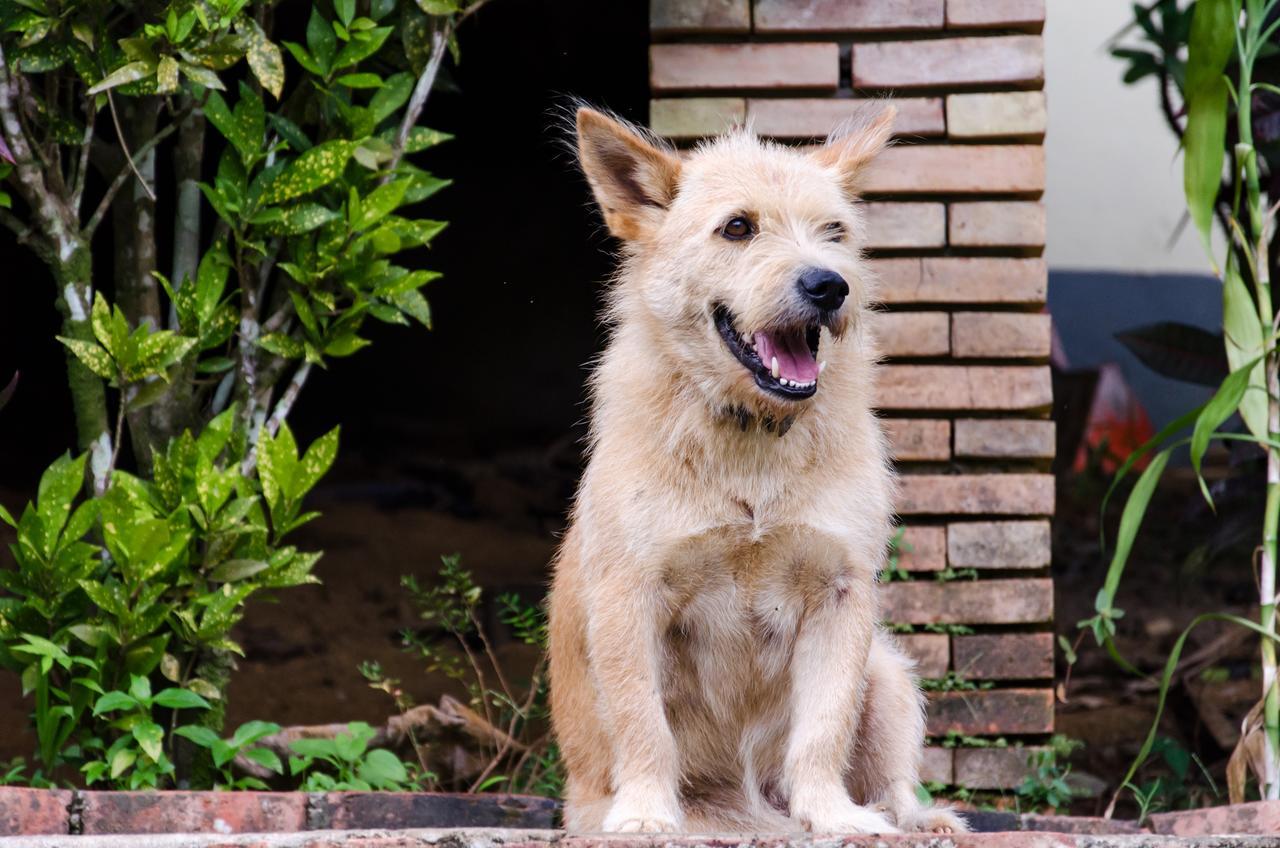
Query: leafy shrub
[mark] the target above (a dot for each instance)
(346, 762)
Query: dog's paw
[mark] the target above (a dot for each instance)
(839, 814)
(642, 826)
(936, 820)
(647, 813)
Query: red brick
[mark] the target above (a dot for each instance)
(918, 439)
(813, 117)
(997, 387)
(935, 766)
(928, 549)
(31, 812)
(999, 544)
(992, 768)
(671, 17)
(990, 335)
(992, 712)
(1004, 114)
(694, 117)
(995, 13)
(958, 169)
(975, 494)
(847, 15)
(949, 61)
(968, 601)
(193, 812)
(1257, 817)
(698, 67)
(1004, 223)
(1003, 656)
(902, 225)
(1085, 825)
(931, 651)
(961, 280)
(1003, 438)
(912, 333)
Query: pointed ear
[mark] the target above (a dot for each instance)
(633, 179)
(851, 150)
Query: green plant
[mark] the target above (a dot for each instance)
(953, 682)
(1046, 786)
(1220, 82)
(948, 574)
(224, 752)
(294, 204)
(956, 739)
(518, 752)
(346, 762)
(898, 545)
(139, 748)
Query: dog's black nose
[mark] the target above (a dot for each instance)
(824, 288)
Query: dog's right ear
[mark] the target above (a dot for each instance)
(634, 180)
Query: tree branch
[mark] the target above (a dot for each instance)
(421, 90)
(124, 147)
(81, 175)
(122, 178)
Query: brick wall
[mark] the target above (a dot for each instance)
(957, 231)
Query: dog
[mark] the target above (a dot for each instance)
(716, 662)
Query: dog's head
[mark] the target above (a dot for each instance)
(743, 255)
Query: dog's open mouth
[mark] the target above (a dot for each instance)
(784, 362)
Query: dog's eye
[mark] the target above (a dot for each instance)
(833, 231)
(738, 229)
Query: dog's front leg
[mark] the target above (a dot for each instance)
(826, 685)
(627, 621)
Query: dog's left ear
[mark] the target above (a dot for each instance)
(851, 151)
(633, 179)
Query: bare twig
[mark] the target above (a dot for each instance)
(123, 177)
(81, 175)
(124, 147)
(290, 396)
(517, 715)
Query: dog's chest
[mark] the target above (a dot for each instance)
(740, 599)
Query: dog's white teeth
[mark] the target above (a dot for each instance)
(821, 365)
(773, 367)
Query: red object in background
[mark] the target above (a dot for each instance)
(1117, 424)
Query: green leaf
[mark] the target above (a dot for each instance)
(267, 759)
(379, 203)
(121, 760)
(1220, 407)
(321, 41)
(363, 80)
(317, 167)
(252, 731)
(236, 569)
(113, 701)
(281, 345)
(202, 736)
(1209, 47)
(1135, 509)
(131, 72)
(1244, 343)
(140, 688)
(59, 485)
(346, 10)
(303, 218)
(393, 94)
(202, 76)
(233, 130)
(264, 58)
(439, 7)
(382, 769)
(180, 699)
(362, 46)
(421, 138)
(94, 357)
(150, 738)
(345, 345)
(315, 463)
(167, 75)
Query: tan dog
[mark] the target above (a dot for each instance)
(716, 663)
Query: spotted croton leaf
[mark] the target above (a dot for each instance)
(94, 357)
(317, 167)
(265, 59)
(131, 72)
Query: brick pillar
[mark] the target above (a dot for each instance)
(957, 232)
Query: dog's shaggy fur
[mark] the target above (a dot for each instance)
(716, 663)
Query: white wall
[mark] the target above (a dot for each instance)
(1114, 191)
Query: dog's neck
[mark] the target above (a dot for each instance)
(745, 420)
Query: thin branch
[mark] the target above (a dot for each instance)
(418, 101)
(124, 147)
(285, 405)
(122, 178)
(81, 175)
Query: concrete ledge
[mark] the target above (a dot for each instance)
(501, 838)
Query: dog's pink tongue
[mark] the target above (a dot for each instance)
(795, 362)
